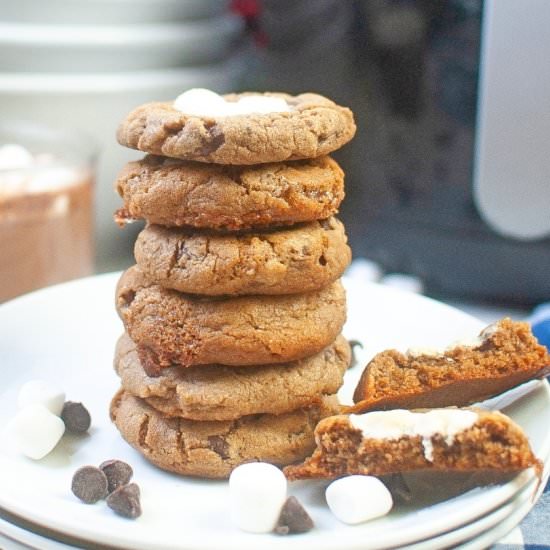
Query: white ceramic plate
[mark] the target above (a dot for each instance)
(67, 334)
(503, 528)
(491, 527)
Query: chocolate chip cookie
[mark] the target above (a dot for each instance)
(313, 126)
(213, 449)
(216, 392)
(178, 193)
(170, 327)
(303, 258)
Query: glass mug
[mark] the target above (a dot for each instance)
(46, 207)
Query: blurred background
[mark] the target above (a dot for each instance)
(446, 179)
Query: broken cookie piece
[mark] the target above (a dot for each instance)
(504, 355)
(388, 442)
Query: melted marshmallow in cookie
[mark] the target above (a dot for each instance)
(403, 423)
(202, 102)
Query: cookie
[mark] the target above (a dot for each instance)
(178, 193)
(389, 442)
(313, 126)
(303, 258)
(216, 392)
(213, 449)
(505, 355)
(170, 327)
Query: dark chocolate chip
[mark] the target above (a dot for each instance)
(293, 518)
(215, 139)
(89, 484)
(219, 445)
(149, 361)
(125, 501)
(76, 417)
(118, 473)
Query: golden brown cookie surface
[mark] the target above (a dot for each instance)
(213, 449)
(177, 193)
(300, 259)
(170, 327)
(216, 392)
(314, 126)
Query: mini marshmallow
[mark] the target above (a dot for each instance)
(36, 431)
(13, 157)
(38, 392)
(199, 101)
(202, 102)
(249, 104)
(355, 499)
(258, 493)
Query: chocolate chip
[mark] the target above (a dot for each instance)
(215, 139)
(89, 484)
(118, 473)
(219, 445)
(76, 417)
(293, 518)
(149, 361)
(125, 501)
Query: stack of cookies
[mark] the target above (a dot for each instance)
(233, 312)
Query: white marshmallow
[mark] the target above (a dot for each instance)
(54, 177)
(398, 423)
(202, 102)
(39, 392)
(258, 492)
(355, 499)
(36, 431)
(260, 104)
(13, 157)
(199, 101)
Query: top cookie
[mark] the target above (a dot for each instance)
(313, 126)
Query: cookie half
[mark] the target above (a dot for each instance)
(213, 449)
(313, 126)
(389, 442)
(170, 327)
(216, 392)
(178, 193)
(289, 261)
(504, 355)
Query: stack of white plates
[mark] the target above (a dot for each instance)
(86, 63)
(67, 334)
